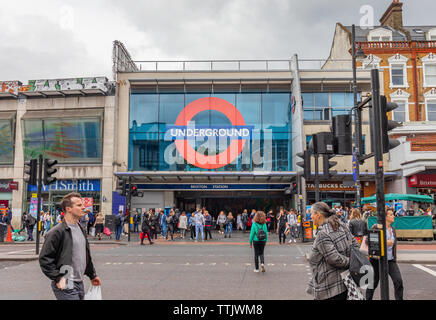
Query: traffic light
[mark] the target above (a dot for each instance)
(341, 129)
(388, 125)
(327, 165)
(48, 171)
(121, 187)
(294, 188)
(305, 164)
(134, 191)
(322, 143)
(31, 169)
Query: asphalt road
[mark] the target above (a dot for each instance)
(196, 271)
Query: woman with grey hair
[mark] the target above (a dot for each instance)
(330, 255)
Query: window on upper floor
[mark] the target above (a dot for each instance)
(397, 74)
(431, 109)
(380, 34)
(431, 35)
(430, 74)
(325, 105)
(400, 114)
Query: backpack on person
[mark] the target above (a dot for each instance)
(117, 220)
(261, 235)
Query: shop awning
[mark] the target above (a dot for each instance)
(67, 113)
(399, 196)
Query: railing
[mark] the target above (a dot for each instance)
(233, 65)
(396, 45)
(215, 65)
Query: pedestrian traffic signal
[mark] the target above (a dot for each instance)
(48, 171)
(31, 169)
(327, 174)
(387, 124)
(305, 164)
(121, 187)
(341, 129)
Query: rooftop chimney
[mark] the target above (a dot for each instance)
(393, 16)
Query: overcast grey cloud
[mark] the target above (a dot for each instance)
(55, 39)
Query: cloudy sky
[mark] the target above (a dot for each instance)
(48, 39)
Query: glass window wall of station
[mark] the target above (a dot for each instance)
(267, 115)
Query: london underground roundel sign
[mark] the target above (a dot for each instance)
(217, 160)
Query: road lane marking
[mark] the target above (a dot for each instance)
(433, 273)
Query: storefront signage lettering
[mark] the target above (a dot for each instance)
(213, 186)
(70, 185)
(332, 186)
(423, 181)
(185, 130)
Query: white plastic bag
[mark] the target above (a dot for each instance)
(94, 293)
(92, 232)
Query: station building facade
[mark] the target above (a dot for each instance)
(175, 138)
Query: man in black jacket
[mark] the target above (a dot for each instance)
(65, 256)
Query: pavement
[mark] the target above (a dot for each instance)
(411, 252)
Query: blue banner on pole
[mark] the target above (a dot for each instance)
(354, 169)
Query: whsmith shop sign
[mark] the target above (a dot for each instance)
(69, 186)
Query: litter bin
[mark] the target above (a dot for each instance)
(307, 230)
(3, 228)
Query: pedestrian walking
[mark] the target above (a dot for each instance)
(99, 225)
(118, 225)
(145, 228)
(66, 252)
(292, 225)
(30, 224)
(221, 221)
(23, 222)
(191, 223)
(207, 225)
(244, 220)
(258, 238)
(170, 225)
(229, 225)
(183, 224)
(163, 224)
(136, 221)
(330, 254)
(91, 221)
(357, 225)
(393, 269)
(239, 222)
(282, 222)
(84, 220)
(199, 225)
(154, 224)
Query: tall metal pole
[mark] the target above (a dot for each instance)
(357, 122)
(129, 200)
(379, 180)
(38, 214)
(316, 178)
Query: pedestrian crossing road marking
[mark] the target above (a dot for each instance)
(433, 273)
(212, 264)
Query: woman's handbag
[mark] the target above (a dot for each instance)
(353, 291)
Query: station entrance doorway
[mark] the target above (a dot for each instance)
(234, 201)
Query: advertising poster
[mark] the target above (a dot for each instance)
(88, 203)
(33, 209)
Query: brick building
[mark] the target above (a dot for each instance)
(406, 58)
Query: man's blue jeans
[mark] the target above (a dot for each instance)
(199, 227)
(229, 229)
(118, 231)
(164, 229)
